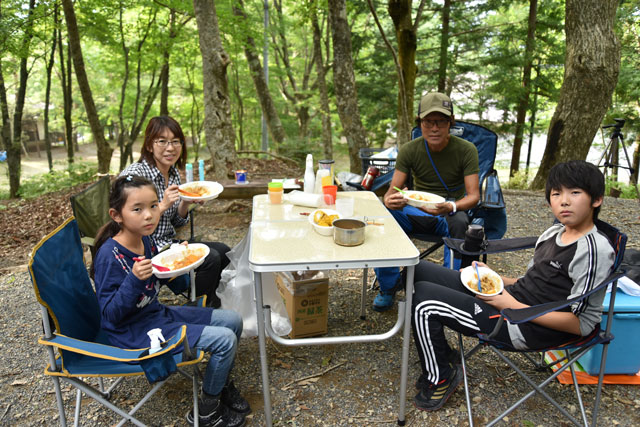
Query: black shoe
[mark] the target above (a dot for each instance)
(214, 413)
(233, 400)
(453, 357)
(434, 396)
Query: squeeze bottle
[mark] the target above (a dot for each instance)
(309, 178)
(201, 169)
(155, 335)
(188, 172)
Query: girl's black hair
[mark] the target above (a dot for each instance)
(117, 199)
(577, 174)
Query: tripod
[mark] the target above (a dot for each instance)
(609, 158)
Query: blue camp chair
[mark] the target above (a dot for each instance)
(572, 350)
(490, 212)
(76, 345)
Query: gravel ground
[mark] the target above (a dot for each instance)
(320, 385)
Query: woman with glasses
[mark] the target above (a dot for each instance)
(439, 163)
(162, 153)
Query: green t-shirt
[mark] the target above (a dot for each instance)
(458, 159)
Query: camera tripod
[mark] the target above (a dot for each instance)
(609, 158)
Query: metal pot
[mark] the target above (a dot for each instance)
(348, 232)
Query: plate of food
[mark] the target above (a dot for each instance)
(200, 190)
(179, 259)
(422, 199)
(491, 281)
(322, 220)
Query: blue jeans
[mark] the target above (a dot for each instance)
(220, 339)
(414, 220)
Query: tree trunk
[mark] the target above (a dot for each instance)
(13, 148)
(5, 137)
(103, 148)
(262, 87)
(592, 65)
(217, 105)
(635, 162)
(400, 12)
(444, 45)
(65, 82)
(344, 82)
(523, 102)
(47, 96)
(325, 111)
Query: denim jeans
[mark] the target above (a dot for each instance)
(220, 339)
(414, 220)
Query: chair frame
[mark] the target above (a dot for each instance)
(572, 350)
(126, 360)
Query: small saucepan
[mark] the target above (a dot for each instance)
(348, 232)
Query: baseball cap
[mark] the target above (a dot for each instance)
(435, 102)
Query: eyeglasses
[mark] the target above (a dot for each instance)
(441, 123)
(165, 142)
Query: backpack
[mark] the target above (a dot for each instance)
(491, 193)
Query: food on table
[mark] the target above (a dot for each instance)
(195, 191)
(490, 283)
(324, 220)
(188, 257)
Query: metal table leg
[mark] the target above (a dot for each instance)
(404, 369)
(363, 298)
(266, 392)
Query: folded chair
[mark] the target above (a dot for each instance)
(572, 350)
(77, 347)
(91, 209)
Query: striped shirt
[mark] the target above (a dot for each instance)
(170, 219)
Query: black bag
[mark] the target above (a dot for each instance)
(491, 195)
(631, 264)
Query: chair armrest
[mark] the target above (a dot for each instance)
(103, 351)
(523, 315)
(494, 246)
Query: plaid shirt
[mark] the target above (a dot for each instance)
(170, 219)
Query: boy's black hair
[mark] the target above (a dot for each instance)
(577, 174)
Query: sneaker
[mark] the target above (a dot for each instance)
(383, 301)
(216, 414)
(453, 357)
(434, 396)
(233, 400)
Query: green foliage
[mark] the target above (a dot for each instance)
(521, 180)
(57, 180)
(627, 191)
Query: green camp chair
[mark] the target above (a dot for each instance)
(91, 210)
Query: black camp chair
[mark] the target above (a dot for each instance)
(572, 350)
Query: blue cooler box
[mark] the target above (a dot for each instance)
(623, 356)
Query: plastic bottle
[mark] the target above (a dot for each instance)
(188, 172)
(320, 174)
(309, 177)
(155, 336)
(201, 169)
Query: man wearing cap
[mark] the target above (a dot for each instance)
(439, 163)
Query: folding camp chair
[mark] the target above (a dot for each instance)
(91, 209)
(76, 345)
(572, 350)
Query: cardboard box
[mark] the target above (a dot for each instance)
(307, 301)
(622, 355)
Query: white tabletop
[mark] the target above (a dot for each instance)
(283, 240)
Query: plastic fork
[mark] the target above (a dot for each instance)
(479, 281)
(401, 191)
(156, 266)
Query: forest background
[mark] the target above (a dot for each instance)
(341, 76)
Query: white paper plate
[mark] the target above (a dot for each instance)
(213, 190)
(325, 231)
(430, 203)
(468, 275)
(174, 253)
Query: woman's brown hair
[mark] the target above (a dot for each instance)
(152, 132)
